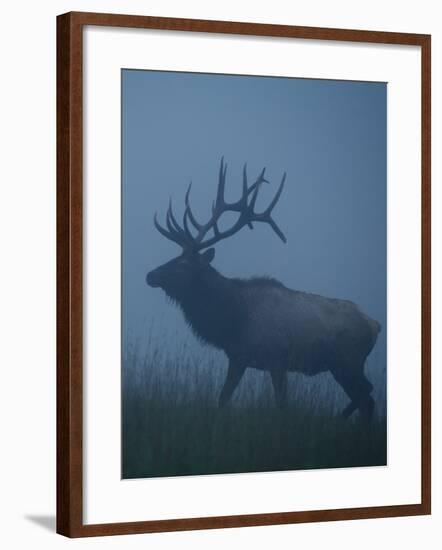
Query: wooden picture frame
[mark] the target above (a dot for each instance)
(70, 272)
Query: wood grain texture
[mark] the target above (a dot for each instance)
(426, 272)
(69, 276)
(70, 272)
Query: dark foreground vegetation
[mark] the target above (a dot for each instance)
(172, 425)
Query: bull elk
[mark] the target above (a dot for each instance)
(259, 322)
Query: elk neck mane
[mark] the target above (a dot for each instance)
(215, 306)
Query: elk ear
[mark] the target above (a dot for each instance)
(208, 255)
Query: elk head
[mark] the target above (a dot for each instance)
(196, 239)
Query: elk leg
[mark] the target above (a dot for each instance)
(349, 409)
(234, 375)
(279, 380)
(358, 389)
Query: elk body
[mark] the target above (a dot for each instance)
(258, 322)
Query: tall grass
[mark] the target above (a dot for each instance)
(172, 425)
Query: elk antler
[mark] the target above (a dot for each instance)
(186, 237)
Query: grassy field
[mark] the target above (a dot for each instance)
(172, 426)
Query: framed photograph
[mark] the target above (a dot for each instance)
(243, 277)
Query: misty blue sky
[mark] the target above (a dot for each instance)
(330, 138)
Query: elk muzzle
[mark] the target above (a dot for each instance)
(153, 278)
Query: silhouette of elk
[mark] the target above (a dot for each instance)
(258, 322)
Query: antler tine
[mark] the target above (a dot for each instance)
(171, 236)
(186, 225)
(245, 189)
(188, 212)
(171, 222)
(277, 230)
(255, 192)
(277, 195)
(173, 232)
(220, 202)
(266, 215)
(260, 179)
(170, 217)
(245, 193)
